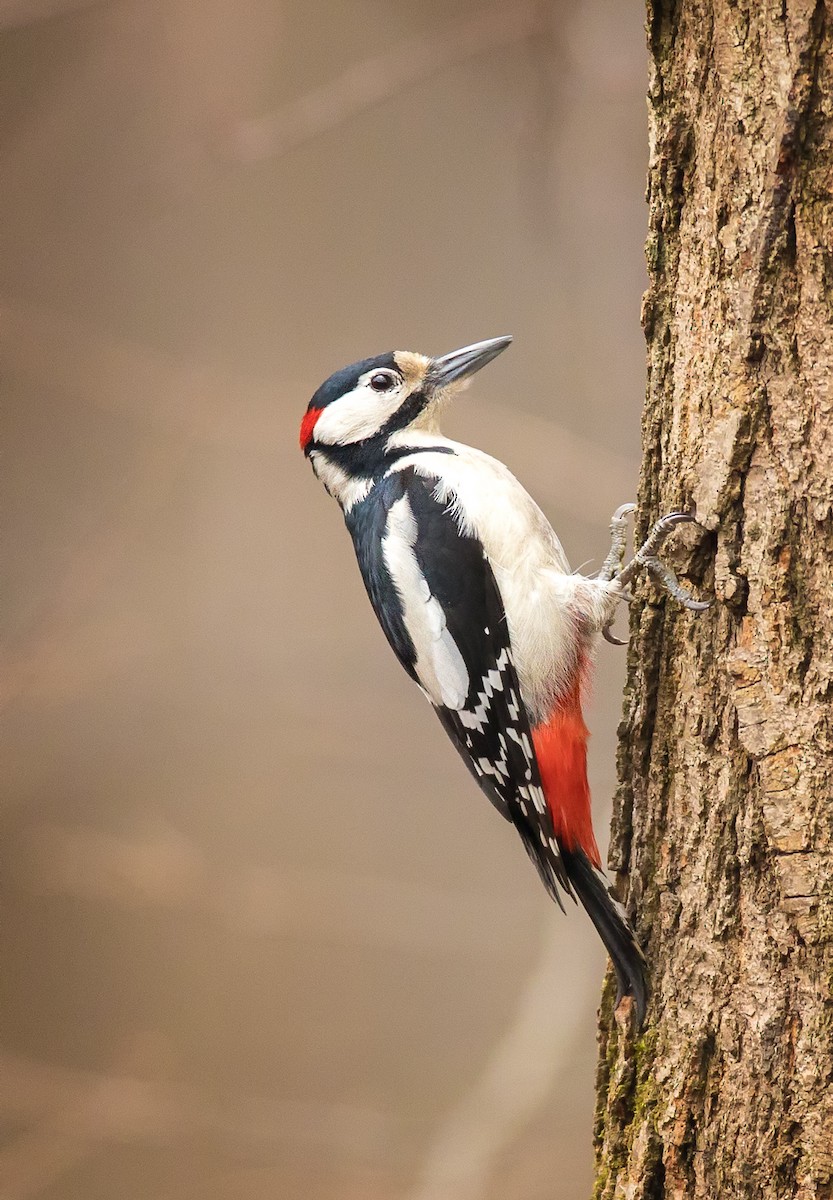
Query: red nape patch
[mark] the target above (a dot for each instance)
(561, 749)
(308, 424)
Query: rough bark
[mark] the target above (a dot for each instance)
(723, 834)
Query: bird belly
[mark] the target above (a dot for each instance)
(545, 630)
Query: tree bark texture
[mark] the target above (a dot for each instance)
(723, 833)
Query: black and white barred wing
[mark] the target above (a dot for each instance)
(437, 600)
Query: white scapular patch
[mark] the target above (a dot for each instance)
(439, 663)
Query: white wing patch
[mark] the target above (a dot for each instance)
(492, 682)
(439, 664)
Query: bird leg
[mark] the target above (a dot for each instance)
(645, 559)
(618, 541)
(613, 563)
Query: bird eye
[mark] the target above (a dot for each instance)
(382, 381)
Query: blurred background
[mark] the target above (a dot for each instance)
(261, 936)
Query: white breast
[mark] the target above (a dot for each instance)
(551, 614)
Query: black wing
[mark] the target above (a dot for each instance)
(437, 600)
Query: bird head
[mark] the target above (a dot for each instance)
(366, 403)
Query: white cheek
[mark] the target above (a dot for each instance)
(356, 416)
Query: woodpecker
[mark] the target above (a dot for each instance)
(474, 593)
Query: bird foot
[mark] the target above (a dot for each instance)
(618, 541)
(645, 559)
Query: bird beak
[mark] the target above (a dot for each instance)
(459, 364)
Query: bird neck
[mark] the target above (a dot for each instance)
(350, 472)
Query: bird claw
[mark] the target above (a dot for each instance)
(645, 559)
(665, 577)
(611, 637)
(607, 629)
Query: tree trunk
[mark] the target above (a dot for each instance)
(723, 834)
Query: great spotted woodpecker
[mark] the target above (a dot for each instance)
(474, 593)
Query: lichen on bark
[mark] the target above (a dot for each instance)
(723, 831)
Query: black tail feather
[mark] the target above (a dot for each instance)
(613, 928)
